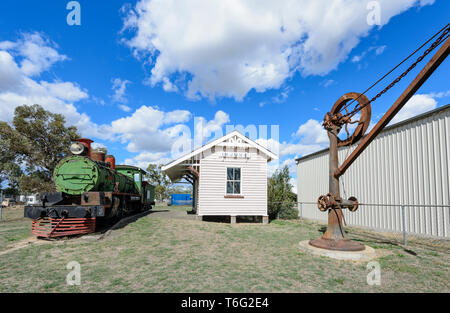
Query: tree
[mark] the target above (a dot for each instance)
(9, 170)
(182, 189)
(160, 180)
(36, 142)
(281, 199)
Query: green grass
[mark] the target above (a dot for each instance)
(156, 254)
(13, 227)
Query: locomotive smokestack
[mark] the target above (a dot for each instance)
(98, 155)
(111, 160)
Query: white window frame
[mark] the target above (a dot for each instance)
(226, 180)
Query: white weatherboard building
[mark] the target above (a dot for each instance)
(407, 163)
(229, 177)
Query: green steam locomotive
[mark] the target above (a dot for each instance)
(90, 189)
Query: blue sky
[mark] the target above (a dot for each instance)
(135, 76)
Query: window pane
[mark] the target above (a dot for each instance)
(229, 187)
(229, 173)
(237, 174)
(237, 188)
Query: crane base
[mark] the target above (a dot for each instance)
(339, 245)
(355, 256)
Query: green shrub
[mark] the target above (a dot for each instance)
(282, 201)
(288, 211)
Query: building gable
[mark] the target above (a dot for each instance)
(226, 143)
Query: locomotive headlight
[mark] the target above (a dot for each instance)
(77, 148)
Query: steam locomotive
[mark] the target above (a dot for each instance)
(91, 189)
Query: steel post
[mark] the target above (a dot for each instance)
(404, 225)
(1, 200)
(300, 211)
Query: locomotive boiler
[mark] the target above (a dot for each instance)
(90, 190)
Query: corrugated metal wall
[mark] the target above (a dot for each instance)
(407, 164)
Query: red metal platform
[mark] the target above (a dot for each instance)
(58, 227)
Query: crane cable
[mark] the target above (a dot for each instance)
(445, 30)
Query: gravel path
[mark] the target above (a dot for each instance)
(176, 214)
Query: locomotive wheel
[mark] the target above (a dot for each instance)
(362, 122)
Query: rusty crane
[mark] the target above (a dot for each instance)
(342, 116)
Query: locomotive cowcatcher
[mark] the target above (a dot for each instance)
(91, 190)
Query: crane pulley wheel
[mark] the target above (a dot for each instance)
(340, 115)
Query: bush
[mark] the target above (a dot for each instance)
(281, 200)
(288, 211)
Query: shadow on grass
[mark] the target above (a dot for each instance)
(131, 219)
(372, 240)
(227, 219)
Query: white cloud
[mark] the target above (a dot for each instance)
(358, 58)
(124, 108)
(287, 153)
(177, 116)
(98, 145)
(293, 182)
(378, 50)
(418, 104)
(327, 83)
(312, 132)
(119, 87)
(11, 78)
(150, 131)
(141, 130)
(298, 149)
(160, 145)
(29, 56)
(227, 48)
(283, 95)
(37, 51)
(270, 144)
(205, 129)
(142, 160)
(65, 90)
(438, 95)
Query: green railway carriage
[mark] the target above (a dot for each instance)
(90, 188)
(137, 174)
